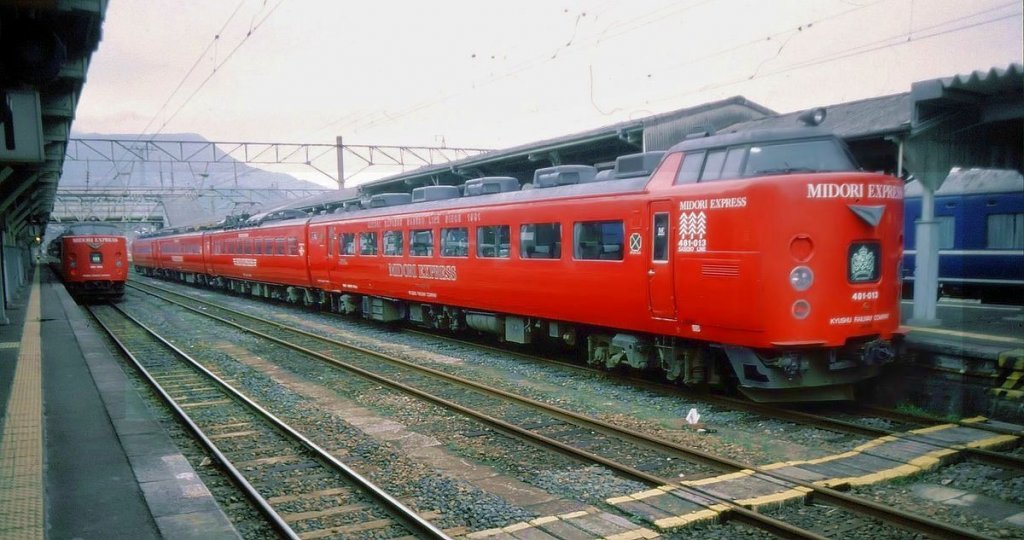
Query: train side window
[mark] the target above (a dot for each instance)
(689, 171)
(947, 231)
(257, 247)
(659, 253)
(393, 245)
(368, 243)
(733, 167)
(493, 242)
(598, 240)
(280, 246)
(540, 241)
(268, 246)
(421, 243)
(1005, 231)
(347, 243)
(293, 245)
(455, 242)
(713, 166)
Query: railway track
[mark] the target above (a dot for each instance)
(313, 345)
(822, 421)
(302, 489)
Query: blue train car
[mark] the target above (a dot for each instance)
(981, 234)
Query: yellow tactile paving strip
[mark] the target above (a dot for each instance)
(21, 442)
(772, 493)
(634, 533)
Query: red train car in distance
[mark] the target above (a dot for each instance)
(763, 258)
(91, 260)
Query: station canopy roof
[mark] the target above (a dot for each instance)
(45, 49)
(598, 147)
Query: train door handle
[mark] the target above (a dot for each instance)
(650, 272)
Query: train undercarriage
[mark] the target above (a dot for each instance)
(794, 375)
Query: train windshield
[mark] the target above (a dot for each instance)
(764, 159)
(822, 155)
(94, 228)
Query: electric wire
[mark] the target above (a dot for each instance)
(253, 26)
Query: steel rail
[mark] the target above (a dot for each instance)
(251, 493)
(837, 498)
(988, 457)
(396, 507)
(735, 510)
(923, 419)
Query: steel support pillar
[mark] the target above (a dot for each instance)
(3, 281)
(926, 267)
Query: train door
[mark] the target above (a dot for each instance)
(661, 278)
(320, 256)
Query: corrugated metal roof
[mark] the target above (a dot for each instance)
(871, 117)
(321, 200)
(715, 113)
(991, 82)
(974, 181)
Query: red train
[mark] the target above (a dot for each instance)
(91, 259)
(763, 258)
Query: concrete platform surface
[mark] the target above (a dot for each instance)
(81, 455)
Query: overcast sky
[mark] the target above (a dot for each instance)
(489, 74)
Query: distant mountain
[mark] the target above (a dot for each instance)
(160, 164)
(90, 165)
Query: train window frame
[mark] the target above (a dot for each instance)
(391, 247)
(1013, 231)
(368, 248)
(660, 251)
(293, 246)
(598, 250)
(495, 244)
(281, 248)
(713, 154)
(850, 164)
(268, 246)
(416, 243)
(460, 249)
(695, 160)
(347, 249)
(946, 231)
(529, 249)
(735, 161)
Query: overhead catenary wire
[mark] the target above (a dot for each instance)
(252, 29)
(893, 41)
(587, 43)
(253, 26)
(184, 78)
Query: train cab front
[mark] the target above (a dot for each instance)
(834, 312)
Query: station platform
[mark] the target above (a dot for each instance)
(971, 325)
(81, 455)
(976, 355)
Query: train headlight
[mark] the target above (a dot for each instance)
(801, 309)
(801, 278)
